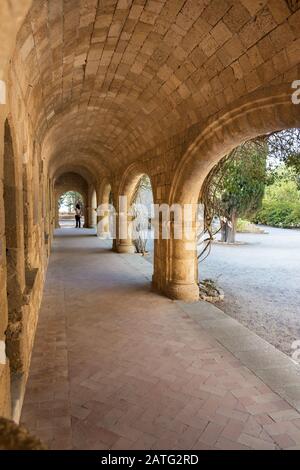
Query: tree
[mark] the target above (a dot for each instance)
(281, 203)
(235, 187)
(69, 199)
(284, 148)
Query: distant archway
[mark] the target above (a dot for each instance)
(72, 183)
(67, 204)
(142, 213)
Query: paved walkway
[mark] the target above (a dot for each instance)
(116, 366)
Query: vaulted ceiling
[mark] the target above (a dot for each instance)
(105, 80)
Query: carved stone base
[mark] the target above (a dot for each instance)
(125, 248)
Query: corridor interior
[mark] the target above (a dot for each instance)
(116, 366)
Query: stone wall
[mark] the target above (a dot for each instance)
(108, 91)
(12, 14)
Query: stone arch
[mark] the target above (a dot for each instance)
(104, 200)
(104, 194)
(83, 173)
(71, 182)
(88, 172)
(252, 116)
(126, 187)
(257, 114)
(83, 198)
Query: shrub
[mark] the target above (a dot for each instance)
(281, 204)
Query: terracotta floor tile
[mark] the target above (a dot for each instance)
(117, 366)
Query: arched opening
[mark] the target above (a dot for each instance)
(71, 189)
(132, 187)
(176, 264)
(254, 194)
(142, 212)
(71, 210)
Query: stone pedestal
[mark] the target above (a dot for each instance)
(124, 247)
(184, 292)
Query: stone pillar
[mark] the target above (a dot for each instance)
(123, 242)
(93, 209)
(125, 246)
(175, 262)
(182, 284)
(86, 213)
(56, 213)
(103, 225)
(15, 262)
(93, 217)
(5, 403)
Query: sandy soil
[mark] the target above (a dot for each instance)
(261, 280)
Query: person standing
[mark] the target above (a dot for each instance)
(78, 215)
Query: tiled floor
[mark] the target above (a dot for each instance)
(116, 366)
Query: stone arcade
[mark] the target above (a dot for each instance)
(95, 94)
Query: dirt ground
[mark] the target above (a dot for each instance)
(261, 280)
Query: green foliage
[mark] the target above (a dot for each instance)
(281, 204)
(245, 226)
(237, 184)
(70, 199)
(284, 147)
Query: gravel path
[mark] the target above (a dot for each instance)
(261, 280)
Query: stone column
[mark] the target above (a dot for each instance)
(93, 217)
(175, 262)
(93, 209)
(86, 213)
(56, 213)
(124, 242)
(103, 224)
(15, 262)
(182, 284)
(124, 239)
(5, 402)
(125, 246)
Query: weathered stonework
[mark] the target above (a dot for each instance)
(99, 93)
